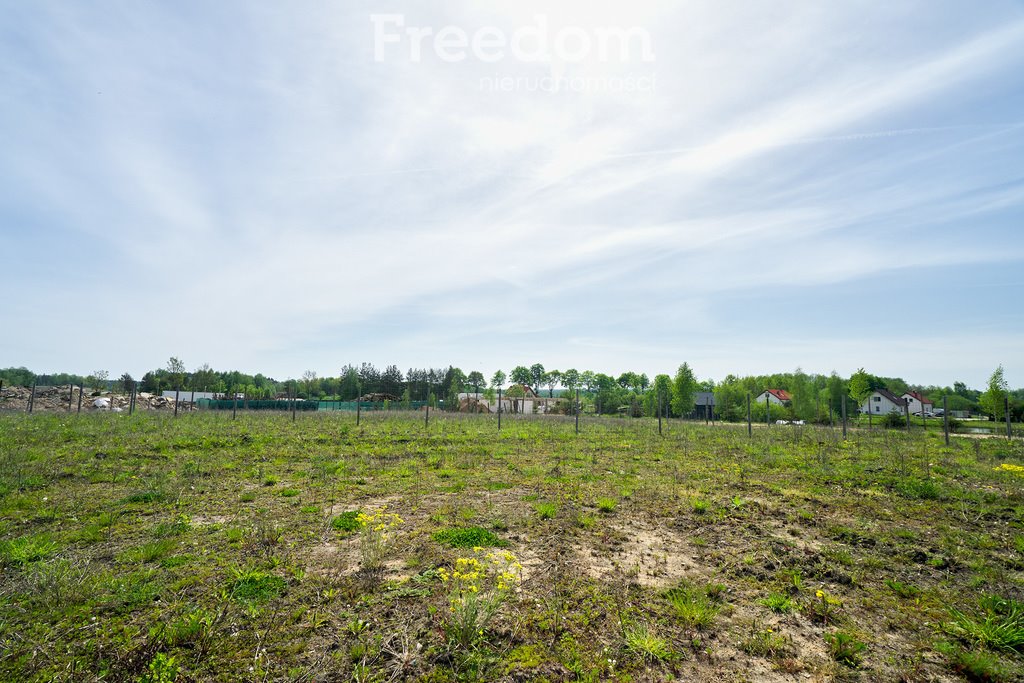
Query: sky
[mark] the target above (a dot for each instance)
(748, 187)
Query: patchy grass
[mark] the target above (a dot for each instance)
(468, 537)
(198, 548)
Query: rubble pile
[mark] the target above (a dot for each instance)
(473, 405)
(55, 399)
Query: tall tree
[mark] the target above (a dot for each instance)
(537, 376)
(683, 387)
(571, 379)
(498, 380)
(993, 401)
(176, 372)
(521, 375)
(98, 379)
(551, 380)
(476, 380)
(309, 382)
(125, 383)
(860, 386)
(391, 381)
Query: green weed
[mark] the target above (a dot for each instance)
(468, 537)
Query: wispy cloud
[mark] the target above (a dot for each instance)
(243, 173)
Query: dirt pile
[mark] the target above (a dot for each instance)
(472, 405)
(57, 399)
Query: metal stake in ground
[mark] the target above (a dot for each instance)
(426, 416)
(659, 413)
(358, 410)
(81, 390)
(767, 409)
(844, 416)
(71, 396)
(499, 409)
(945, 417)
(750, 422)
(906, 409)
(1009, 433)
(32, 397)
(577, 411)
(131, 401)
(295, 399)
(177, 393)
(234, 404)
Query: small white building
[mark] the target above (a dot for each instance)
(883, 402)
(918, 403)
(779, 397)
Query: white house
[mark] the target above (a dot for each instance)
(917, 402)
(779, 397)
(882, 402)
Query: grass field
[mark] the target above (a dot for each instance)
(204, 549)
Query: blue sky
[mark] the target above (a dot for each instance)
(245, 184)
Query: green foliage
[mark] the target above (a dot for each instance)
(684, 385)
(162, 669)
(904, 590)
(778, 602)
(694, 608)
(860, 386)
(921, 489)
(347, 522)
(468, 537)
(606, 505)
(998, 626)
(845, 648)
(643, 641)
(766, 642)
(894, 420)
(255, 586)
(26, 549)
(546, 510)
(977, 666)
(993, 401)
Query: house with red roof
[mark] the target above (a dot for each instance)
(917, 402)
(779, 397)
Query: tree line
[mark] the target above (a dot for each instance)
(630, 393)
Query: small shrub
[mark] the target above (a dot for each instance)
(1000, 625)
(904, 590)
(642, 640)
(289, 493)
(347, 522)
(150, 552)
(765, 642)
(468, 537)
(546, 510)
(921, 489)
(693, 607)
(606, 505)
(778, 603)
(254, 586)
(845, 648)
(375, 536)
(976, 665)
(478, 586)
(824, 608)
(700, 506)
(26, 549)
(162, 669)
